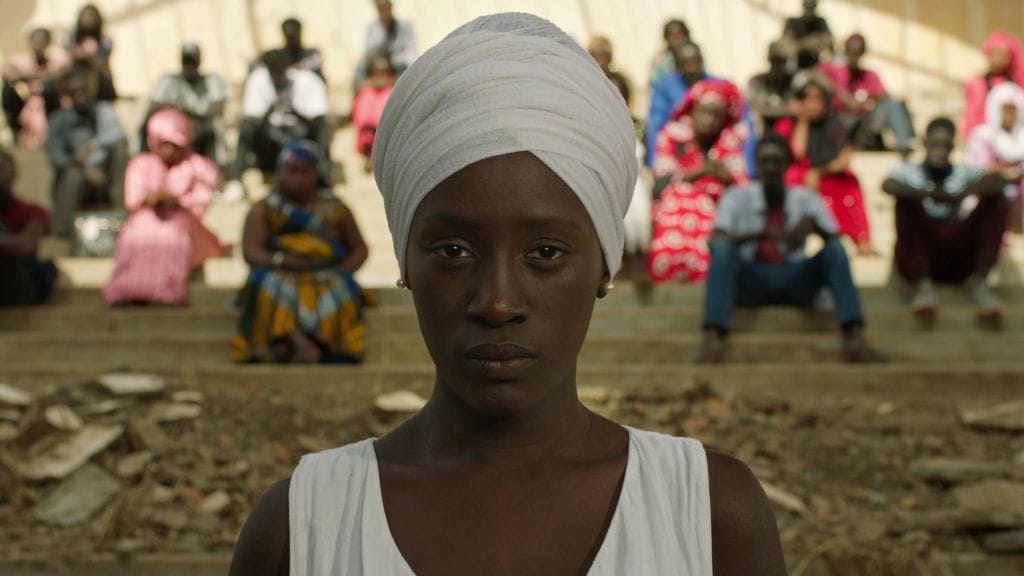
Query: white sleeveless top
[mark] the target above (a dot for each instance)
(661, 524)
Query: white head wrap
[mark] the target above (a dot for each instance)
(1007, 145)
(501, 84)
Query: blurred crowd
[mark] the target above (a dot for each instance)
(736, 179)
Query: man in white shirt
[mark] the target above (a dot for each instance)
(280, 103)
(390, 37)
(758, 259)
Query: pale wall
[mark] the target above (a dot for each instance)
(923, 48)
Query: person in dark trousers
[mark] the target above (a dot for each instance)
(24, 278)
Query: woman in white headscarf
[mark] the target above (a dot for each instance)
(998, 144)
(506, 162)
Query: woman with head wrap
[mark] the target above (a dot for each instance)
(301, 302)
(167, 192)
(699, 155)
(506, 162)
(998, 145)
(1005, 64)
(822, 155)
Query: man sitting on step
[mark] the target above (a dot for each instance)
(757, 256)
(950, 221)
(24, 279)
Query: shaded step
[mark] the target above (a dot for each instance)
(396, 318)
(679, 349)
(973, 384)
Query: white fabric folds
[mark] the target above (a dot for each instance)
(501, 84)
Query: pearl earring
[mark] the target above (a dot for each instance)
(400, 283)
(609, 286)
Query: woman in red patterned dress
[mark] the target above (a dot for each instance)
(699, 155)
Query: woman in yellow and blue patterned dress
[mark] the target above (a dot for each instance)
(301, 302)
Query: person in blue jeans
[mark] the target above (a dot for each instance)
(758, 259)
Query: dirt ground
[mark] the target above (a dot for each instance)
(841, 469)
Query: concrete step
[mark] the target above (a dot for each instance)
(667, 349)
(395, 319)
(971, 384)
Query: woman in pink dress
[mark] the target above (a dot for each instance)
(822, 156)
(369, 106)
(699, 154)
(1005, 64)
(167, 191)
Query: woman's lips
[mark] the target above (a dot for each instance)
(504, 361)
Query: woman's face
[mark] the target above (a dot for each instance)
(169, 152)
(675, 36)
(89, 19)
(708, 118)
(504, 265)
(297, 179)
(999, 60)
(1010, 116)
(814, 102)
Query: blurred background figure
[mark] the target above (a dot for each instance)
(280, 104)
(24, 80)
(811, 34)
(90, 49)
(770, 93)
(822, 156)
(671, 91)
(301, 56)
(368, 106)
(1005, 64)
(865, 107)
(24, 278)
(202, 97)
(600, 49)
(301, 302)
(88, 151)
(167, 192)
(390, 36)
(998, 144)
(676, 34)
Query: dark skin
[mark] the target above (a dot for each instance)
(26, 242)
(170, 154)
(504, 253)
(708, 123)
(385, 12)
(690, 63)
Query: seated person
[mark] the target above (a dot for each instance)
(90, 49)
(757, 255)
(25, 77)
(506, 209)
(301, 302)
(280, 104)
(301, 56)
(202, 97)
(699, 155)
(940, 237)
(1005, 59)
(88, 151)
(999, 143)
(770, 93)
(811, 34)
(24, 279)
(369, 106)
(167, 192)
(822, 157)
(864, 106)
(387, 35)
(675, 34)
(600, 49)
(671, 91)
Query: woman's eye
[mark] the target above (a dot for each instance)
(547, 253)
(452, 251)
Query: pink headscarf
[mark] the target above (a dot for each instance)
(720, 92)
(169, 125)
(1002, 39)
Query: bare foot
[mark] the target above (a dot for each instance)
(989, 306)
(713, 348)
(924, 303)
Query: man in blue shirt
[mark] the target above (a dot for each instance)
(671, 90)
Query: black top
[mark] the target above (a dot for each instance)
(799, 27)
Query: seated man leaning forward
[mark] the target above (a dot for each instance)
(506, 209)
(757, 255)
(950, 221)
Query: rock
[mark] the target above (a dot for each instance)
(784, 499)
(234, 470)
(124, 384)
(1001, 501)
(147, 435)
(162, 413)
(188, 396)
(402, 401)
(105, 407)
(78, 498)
(1008, 416)
(13, 396)
(943, 521)
(8, 432)
(128, 546)
(1011, 541)
(133, 465)
(62, 418)
(12, 416)
(173, 519)
(71, 454)
(214, 503)
(161, 494)
(958, 471)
